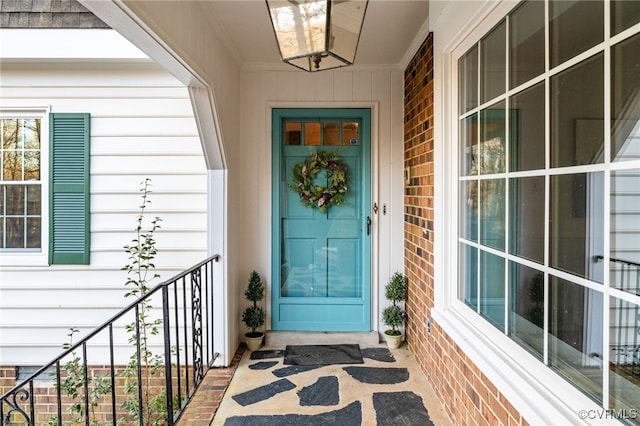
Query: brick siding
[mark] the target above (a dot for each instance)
(45, 395)
(468, 396)
(47, 14)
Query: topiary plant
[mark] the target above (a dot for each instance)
(254, 315)
(396, 291)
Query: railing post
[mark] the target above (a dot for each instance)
(167, 353)
(196, 325)
(141, 404)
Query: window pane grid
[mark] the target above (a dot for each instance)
(568, 195)
(20, 184)
(324, 132)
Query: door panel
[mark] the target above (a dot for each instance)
(321, 259)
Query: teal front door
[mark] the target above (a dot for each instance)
(321, 237)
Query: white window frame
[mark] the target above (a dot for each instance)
(540, 395)
(41, 257)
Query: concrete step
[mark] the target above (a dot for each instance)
(284, 338)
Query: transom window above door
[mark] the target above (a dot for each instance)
(321, 132)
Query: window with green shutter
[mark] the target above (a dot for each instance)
(69, 188)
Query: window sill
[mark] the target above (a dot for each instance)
(24, 259)
(539, 395)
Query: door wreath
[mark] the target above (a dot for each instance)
(318, 196)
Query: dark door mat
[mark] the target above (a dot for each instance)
(266, 354)
(322, 354)
(351, 415)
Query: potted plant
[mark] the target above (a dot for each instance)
(394, 316)
(254, 315)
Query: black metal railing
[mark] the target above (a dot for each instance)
(120, 372)
(625, 274)
(625, 330)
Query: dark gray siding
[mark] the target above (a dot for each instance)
(47, 14)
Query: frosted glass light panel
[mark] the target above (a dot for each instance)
(317, 35)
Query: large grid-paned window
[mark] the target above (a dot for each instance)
(549, 184)
(20, 184)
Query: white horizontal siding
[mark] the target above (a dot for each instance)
(142, 145)
(142, 127)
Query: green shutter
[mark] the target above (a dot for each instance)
(69, 188)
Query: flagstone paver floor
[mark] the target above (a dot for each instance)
(387, 389)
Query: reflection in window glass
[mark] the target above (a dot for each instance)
(575, 26)
(576, 228)
(350, 134)
(526, 216)
(624, 263)
(624, 355)
(32, 165)
(468, 72)
(625, 100)
(468, 291)
(577, 114)
(492, 297)
(33, 214)
(492, 145)
(312, 134)
(20, 216)
(469, 210)
(33, 200)
(469, 146)
(34, 227)
(624, 14)
(553, 146)
(526, 308)
(12, 164)
(9, 133)
(526, 41)
(20, 204)
(15, 196)
(493, 64)
(293, 133)
(575, 335)
(31, 133)
(492, 213)
(526, 144)
(331, 133)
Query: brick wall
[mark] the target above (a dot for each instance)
(45, 395)
(468, 396)
(7, 379)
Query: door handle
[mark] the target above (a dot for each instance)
(368, 225)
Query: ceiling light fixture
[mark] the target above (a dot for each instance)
(316, 35)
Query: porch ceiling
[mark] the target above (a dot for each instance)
(390, 29)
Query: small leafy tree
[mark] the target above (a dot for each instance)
(254, 315)
(396, 291)
(73, 387)
(140, 270)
